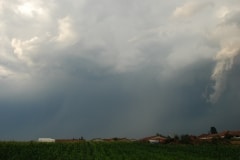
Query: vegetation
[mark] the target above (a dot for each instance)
(116, 151)
(213, 130)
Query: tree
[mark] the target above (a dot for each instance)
(176, 138)
(228, 136)
(213, 130)
(185, 139)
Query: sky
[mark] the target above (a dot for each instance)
(110, 68)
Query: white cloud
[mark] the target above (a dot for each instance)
(24, 49)
(1, 6)
(225, 61)
(4, 72)
(66, 34)
(227, 35)
(29, 9)
(222, 12)
(190, 8)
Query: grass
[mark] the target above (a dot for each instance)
(116, 151)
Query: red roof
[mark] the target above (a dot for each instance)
(221, 134)
(157, 138)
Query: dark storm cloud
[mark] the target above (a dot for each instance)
(128, 68)
(90, 104)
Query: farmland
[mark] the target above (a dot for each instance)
(116, 151)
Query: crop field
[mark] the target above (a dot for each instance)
(116, 151)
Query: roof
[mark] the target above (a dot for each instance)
(221, 134)
(151, 138)
(46, 140)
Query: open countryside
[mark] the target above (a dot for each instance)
(116, 150)
(119, 79)
(224, 145)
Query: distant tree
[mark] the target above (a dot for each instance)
(169, 140)
(185, 139)
(228, 136)
(158, 134)
(115, 138)
(176, 138)
(213, 130)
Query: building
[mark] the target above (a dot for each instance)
(221, 135)
(46, 140)
(97, 140)
(154, 139)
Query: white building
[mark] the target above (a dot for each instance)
(46, 140)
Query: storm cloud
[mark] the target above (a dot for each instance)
(117, 68)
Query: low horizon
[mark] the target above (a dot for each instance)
(172, 135)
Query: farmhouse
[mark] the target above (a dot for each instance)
(97, 140)
(46, 140)
(234, 134)
(154, 139)
(224, 134)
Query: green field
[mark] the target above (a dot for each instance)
(116, 151)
